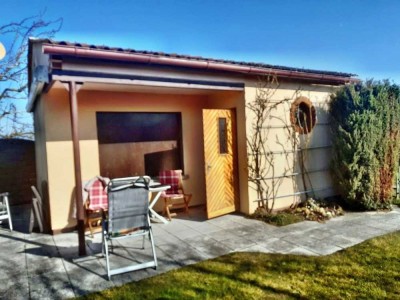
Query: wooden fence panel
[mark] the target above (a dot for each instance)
(17, 169)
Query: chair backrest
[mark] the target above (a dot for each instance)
(128, 207)
(4, 207)
(5, 212)
(172, 178)
(38, 207)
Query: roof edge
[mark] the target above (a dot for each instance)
(118, 54)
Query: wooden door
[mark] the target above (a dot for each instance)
(220, 161)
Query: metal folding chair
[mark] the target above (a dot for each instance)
(128, 217)
(5, 213)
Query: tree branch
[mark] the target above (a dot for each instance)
(13, 70)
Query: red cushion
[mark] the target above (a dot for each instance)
(172, 178)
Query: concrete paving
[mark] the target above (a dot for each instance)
(38, 266)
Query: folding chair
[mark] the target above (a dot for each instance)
(5, 213)
(95, 204)
(37, 208)
(175, 197)
(128, 217)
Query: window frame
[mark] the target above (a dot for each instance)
(300, 103)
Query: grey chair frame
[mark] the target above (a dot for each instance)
(5, 213)
(124, 213)
(38, 207)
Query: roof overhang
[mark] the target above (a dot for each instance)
(40, 78)
(204, 64)
(130, 79)
(230, 73)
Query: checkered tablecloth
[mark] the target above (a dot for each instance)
(98, 198)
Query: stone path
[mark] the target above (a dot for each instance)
(37, 266)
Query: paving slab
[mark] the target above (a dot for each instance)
(237, 243)
(15, 287)
(301, 251)
(343, 241)
(277, 245)
(224, 223)
(207, 246)
(256, 248)
(297, 237)
(203, 227)
(165, 263)
(321, 233)
(244, 230)
(223, 234)
(183, 254)
(87, 276)
(321, 247)
(39, 266)
(51, 285)
(262, 235)
(175, 227)
(171, 238)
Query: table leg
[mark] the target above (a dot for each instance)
(156, 215)
(153, 213)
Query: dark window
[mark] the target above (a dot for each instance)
(138, 127)
(139, 143)
(223, 137)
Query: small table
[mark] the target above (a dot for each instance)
(155, 187)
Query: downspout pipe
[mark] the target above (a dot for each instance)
(196, 64)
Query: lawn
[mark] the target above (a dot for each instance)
(370, 270)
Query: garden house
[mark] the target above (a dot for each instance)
(120, 112)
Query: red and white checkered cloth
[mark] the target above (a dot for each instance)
(172, 178)
(98, 198)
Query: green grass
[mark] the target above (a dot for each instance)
(370, 270)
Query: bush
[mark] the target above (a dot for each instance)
(281, 218)
(312, 210)
(319, 210)
(365, 131)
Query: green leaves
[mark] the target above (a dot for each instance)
(365, 125)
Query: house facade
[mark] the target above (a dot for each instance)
(119, 112)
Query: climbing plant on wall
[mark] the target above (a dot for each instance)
(365, 125)
(273, 155)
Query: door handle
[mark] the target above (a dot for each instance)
(208, 167)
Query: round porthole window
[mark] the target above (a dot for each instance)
(303, 115)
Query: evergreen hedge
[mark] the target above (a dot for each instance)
(365, 126)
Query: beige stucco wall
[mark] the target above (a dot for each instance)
(59, 145)
(55, 155)
(280, 140)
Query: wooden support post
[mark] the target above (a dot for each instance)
(77, 166)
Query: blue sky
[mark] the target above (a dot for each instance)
(361, 37)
